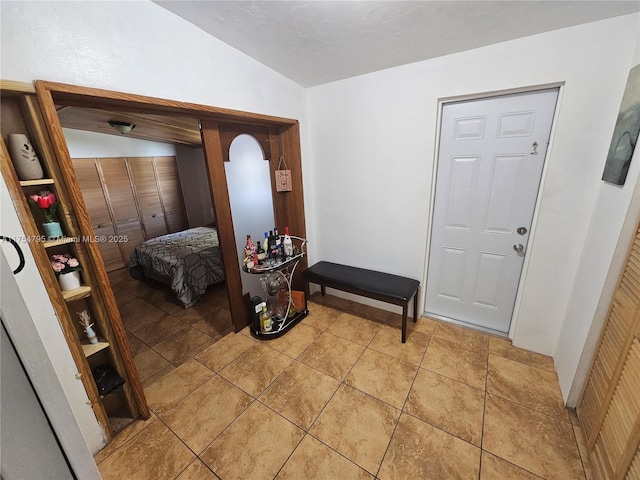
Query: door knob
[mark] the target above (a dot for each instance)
(522, 230)
(518, 248)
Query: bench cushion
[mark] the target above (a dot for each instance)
(378, 284)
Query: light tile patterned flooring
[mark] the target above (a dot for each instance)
(339, 397)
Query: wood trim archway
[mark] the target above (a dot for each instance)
(278, 136)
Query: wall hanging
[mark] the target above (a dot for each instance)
(283, 177)
(625, 133)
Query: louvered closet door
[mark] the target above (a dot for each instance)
(91, 186)
(146, 187)
(169, 182)
(610, 406)
(120, 196)
(634, 469)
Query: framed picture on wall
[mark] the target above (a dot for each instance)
(625, 134)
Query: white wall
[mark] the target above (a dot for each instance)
(251, 199)
(83, 144)
(373, 141)
(613, 221)
(136, 47)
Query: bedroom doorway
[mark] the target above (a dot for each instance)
(490, 163)
(216, 128)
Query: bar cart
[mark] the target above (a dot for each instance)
(281, 269)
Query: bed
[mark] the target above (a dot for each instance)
(187, 261)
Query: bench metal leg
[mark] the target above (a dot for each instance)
(404, 322)
(323, 290)
(415, 307)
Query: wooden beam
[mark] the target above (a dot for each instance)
(218, 184)
(84, 96)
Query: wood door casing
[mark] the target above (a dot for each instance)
(288, 206)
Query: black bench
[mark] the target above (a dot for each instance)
(368, 283)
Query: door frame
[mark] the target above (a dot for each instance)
(221, 125)
(442, 101)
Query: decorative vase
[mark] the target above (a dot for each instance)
(91, 335)
(69, 281)
(52, 230)
(24, 157)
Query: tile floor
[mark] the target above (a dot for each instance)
(339, 397)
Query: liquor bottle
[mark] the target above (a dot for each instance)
(250, 252)
(266, 323)
(265, 243)
(273, 239)
(261, 253)
(287, 244)
(278, 247)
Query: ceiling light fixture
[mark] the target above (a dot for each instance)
(122, 127)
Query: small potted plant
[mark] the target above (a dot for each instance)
(46, 204)
(87, 326)
(67, 269)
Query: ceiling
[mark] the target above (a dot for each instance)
(316, 42)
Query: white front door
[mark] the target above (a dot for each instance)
(490, 163)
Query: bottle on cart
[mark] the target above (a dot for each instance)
(261, 253)
(273, 243)
(266, 323)
(287, 244)
(265, 244)
(250, 254)
(278, 252)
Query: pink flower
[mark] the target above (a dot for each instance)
(64, 263)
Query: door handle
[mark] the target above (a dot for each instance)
(519, 248)
(21, 262)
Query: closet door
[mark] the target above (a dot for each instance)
(143, 175)
(120, 196)
(171, 193)
(610, 406)
(91, 185)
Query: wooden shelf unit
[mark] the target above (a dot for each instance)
(92, 348)
(21, 112)
(83, 291)
(35, 183)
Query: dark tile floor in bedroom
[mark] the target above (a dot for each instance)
(337, 397)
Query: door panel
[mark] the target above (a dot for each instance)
(154, 225)
(462, 192)
(89, 181)
(609, 410)
(169, 182)
(491, 267)
(132, 232)
(452, 274)
(489, 168)
(118, 189)
(109, 250)
(504, 187)
(144, 179)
